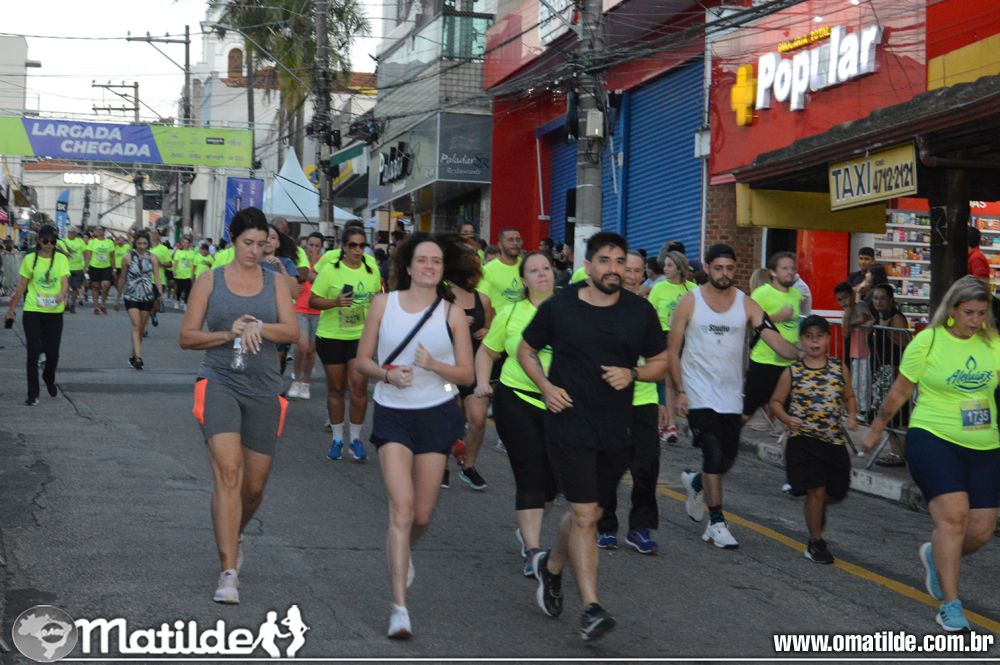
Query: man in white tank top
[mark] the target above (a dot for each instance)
(711, 323)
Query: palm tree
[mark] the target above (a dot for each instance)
(285, 29)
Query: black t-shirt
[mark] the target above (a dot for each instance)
(878, 275)
(583, 337)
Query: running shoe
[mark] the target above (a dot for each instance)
(695, 504)
(293, 391)
(529, 562)
(131, 362)
(786, 487)
(229, 588)
(358, 451)
(816, 551)
(139, 364)
(500, 447)
(336, 449)
(668, 434)
(446, 479)
(549, 593)
(304, 391)
(399, 624)
(472, 478)
(930, 573)
(458, 452)
(640, 540)
(31, 401)
(520, 540)
(595, 622)
(607, 541)
(952, 618)
(97, 311)
(52, 388)
(104, 310)
(717, 533)
(154, 319)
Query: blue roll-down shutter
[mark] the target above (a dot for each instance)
(611, 178)
(664, 178)
(562, 178)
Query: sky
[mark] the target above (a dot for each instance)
(61, 87)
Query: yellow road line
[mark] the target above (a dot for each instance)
(853, 569)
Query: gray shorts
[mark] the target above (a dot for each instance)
(308, 323)
(258, 420)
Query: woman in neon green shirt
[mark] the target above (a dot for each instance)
(183, 263)
(951, 446)
(518, 408)
(343, 292)
(43, 285)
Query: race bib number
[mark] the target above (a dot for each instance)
(45, 301)
(975, 414)
(351, 317)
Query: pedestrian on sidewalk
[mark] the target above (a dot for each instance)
(952, 448)
(140, 284)
(817, 391)
(43, 284)
(238, 314)
(422, 342)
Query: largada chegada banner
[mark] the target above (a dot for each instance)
(132, 144)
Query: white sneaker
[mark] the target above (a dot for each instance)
(411, 574)
(399, 623)
(304, 391)
(695, 504)
(718, 534)
(229, 588)
(293, 391)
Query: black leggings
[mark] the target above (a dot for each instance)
(43, 333)
(183, 288)
(644, 465)
(521, 427)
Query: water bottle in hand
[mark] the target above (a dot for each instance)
(239, 362)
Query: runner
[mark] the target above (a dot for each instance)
(165, 257)
(518, 411)
(597, 333)
(817, 390)
(277, 258)
(237, 314)
(140, 282)
(416, 418)
(644, 453)
(122, 248)
(343, 292)
(664, 296)
(951, 446)
(291, 249)
(501, 280)
(183, 261)
(203, 261)
(305, 352)
(711, 324)
(43, 284)
(462, 272)
(97, 260)
(74, 247)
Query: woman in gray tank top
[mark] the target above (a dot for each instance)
(237, 314)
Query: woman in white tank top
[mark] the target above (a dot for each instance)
(417, 418)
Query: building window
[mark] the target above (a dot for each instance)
(235, 63)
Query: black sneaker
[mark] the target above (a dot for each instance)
(31, 401)
(52, 388)
(549, 593)
(446, 480)
(131, 362)
(816, 551)
(471, 477)
(139, 364)
(155, 320)
(594, 622)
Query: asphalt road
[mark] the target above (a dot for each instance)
(105, 512)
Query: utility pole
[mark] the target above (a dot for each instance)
(320, 126)
(251, 82)
(590, 132)
(138, 177)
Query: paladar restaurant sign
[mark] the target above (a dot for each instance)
(842, 57)
(886, 174)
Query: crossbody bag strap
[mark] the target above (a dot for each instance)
(413, 333)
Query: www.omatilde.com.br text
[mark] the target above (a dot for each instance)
(884, 642)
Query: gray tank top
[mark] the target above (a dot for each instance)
(261, 377)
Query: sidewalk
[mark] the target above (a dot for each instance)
(892, 483)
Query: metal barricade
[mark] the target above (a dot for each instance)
(880, 368)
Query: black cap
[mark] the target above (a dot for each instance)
(719, 250)
(48, 230)
(814, 320)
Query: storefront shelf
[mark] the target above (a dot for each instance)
(886, 259)
(900, 242)
(916, 227)
(895, 278)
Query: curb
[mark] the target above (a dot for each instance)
(903, 492)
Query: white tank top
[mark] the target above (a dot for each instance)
(712, 360)
(428, 389)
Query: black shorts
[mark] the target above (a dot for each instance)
(336, 351)
(98, 275)
(430, 430)
(75, 279)
(760, 383)
(141, 305)
(811, 463)
(718, 436)
(169, 274)
(942, 467)
(582, 472)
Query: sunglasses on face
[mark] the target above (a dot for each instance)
(356, 245)
(46, 241)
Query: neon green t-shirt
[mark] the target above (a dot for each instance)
(74, 248)
(120, 252)
(301, 259)
(183, 263)
(164, 256)
(579, 275)
(44, 282)
(101, 252)
(345, 322)
(956, 379)
(772, 301)
(332, 256)
(202, 263)
(644, 392)
(502, 283)
(505, 335)
(223, 257)
(664, 297)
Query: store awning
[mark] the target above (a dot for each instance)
(808, 211)
(348, 153)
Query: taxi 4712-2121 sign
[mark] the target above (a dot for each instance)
(886, 174)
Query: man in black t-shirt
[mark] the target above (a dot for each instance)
(597, 333)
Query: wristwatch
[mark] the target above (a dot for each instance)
(635, 374)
